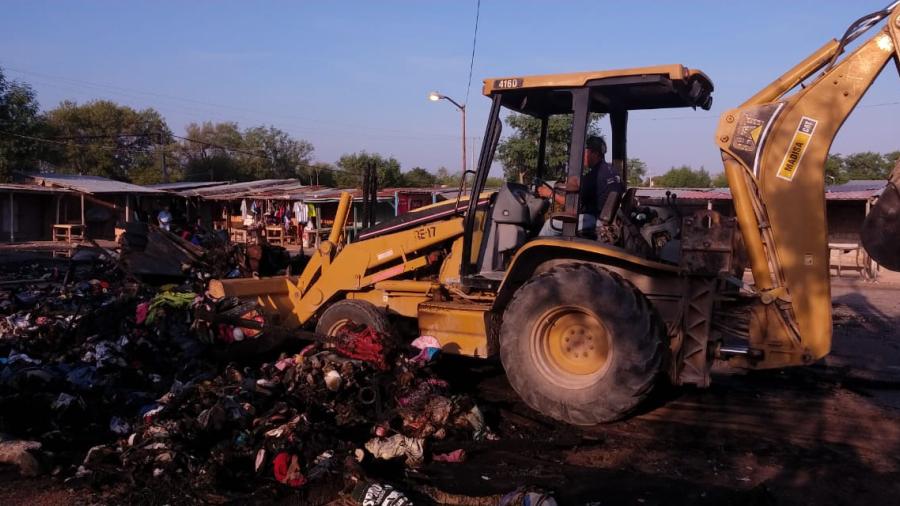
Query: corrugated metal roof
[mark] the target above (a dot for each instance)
(185, 185)
(289, 189)
(853, 195)
(240, 190)
(30, 188)
(858, 185)
(90, 184)
(686, 193)
(853, 190)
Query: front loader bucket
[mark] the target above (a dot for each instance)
(881, 228)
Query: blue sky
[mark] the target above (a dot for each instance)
(349, 76)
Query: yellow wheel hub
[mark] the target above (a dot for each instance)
(571, 346)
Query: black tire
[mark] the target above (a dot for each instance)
(581, 344)
(358, 312)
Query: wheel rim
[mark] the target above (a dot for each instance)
(571, 347)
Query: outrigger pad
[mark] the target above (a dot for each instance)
(881, 229)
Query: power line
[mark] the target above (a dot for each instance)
(74, 145)
(474, 43)
(215, 108)
(57, 141)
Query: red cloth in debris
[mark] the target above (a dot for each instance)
(140, 313)
(286, 468)
(454, 457)
(366, 345)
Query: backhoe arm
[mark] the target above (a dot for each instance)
(774, 149)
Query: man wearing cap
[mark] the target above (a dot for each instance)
(596, 186)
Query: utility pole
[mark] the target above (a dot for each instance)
(434, 97)
(162, 158)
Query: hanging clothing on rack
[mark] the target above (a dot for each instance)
(244, 209)
(301, 212)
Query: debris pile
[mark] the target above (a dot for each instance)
(105, 384)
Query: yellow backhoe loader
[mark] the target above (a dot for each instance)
(585, 327)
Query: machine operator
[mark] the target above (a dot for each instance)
(596, 186)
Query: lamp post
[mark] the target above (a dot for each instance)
(434, 97)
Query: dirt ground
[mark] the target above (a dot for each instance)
(827, 434)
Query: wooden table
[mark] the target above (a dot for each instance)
(275, 235)
(861, 261)
(68, 232)
(238, 235)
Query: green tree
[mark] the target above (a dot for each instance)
(221, 151)
(444, 177)
(419, 178)
(867, 165)
(19, 119)
(518, 152)
(720, 180)
(279, 155)
(892, 158)
(205, 158)
(352, 166)
(834, 170)
(103, 138)
(637, 171)
(321, 174)
(494, 182)
(684, 177)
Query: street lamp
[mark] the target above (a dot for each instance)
(434, 97)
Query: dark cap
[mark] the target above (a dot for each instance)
(595, 143)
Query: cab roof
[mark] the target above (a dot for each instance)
(658, 87)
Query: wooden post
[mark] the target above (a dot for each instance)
(58, 199)
(318, 223)
(127, 208)
(82, 210)
(12, 219)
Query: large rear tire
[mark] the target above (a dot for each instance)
(356, 312)
(581, 344)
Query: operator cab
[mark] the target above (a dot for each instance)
(493, 234)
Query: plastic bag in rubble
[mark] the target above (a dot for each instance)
(398, 445)
(378, 494)
(19, 322)
(21, 357)
(66, 401)
(105, 354)
(428, 347)
(286, 468)
(119, 426)
(479, 428)
(524, 497)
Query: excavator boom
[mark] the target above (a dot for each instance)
(774, 148)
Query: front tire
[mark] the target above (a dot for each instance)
(353, 312)
(581, 344)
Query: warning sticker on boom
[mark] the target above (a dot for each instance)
(795, 153)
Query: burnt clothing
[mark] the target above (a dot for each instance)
(596, 186)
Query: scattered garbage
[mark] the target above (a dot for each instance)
(524, 497)
(113, 383)
(377, 494)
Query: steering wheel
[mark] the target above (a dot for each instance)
(540, 182)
